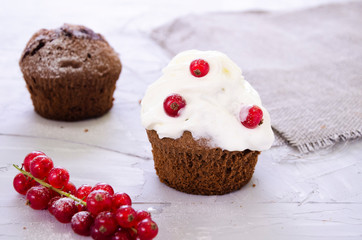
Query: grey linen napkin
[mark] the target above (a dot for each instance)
(306, 65)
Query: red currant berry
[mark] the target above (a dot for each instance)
(132, 233)
(81, 223)
(54, 194)
(58, 177)
(251, 116)
(173, 104)
(103, 186)
(40, 166)
(147, 229)
(126, 216)
(122, 234)
(98, 235)
(63, 209)
(120, 199)
(28, 158)
(199, 68)
(99, 201)
(83, 191)
(50, 204)
(23, 183)
(142, 214)
(80, 207)
(106, 223)
(38, 197)
(70, 188)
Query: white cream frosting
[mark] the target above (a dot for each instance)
(213, 104)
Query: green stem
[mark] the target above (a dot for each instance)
(50, 186)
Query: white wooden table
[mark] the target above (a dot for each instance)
(289, 197)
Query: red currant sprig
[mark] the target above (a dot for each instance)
(251, 116)
(199, 68)
(109, 215)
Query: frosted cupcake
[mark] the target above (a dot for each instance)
(206, 124)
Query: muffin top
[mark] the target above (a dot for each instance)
(204, 92)
(69, 50)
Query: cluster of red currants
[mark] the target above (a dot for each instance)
(92, 210)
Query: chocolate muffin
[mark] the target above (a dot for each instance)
(70, 72)
(191, 166)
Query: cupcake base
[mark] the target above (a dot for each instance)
(189, 166)
(79, 101)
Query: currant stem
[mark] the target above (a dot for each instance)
(133, 229)
(50, 186)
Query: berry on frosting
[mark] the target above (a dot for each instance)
(251, 116)
(173, 104)
(199, 68)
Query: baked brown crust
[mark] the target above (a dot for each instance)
(70, 72)
(190, 166)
